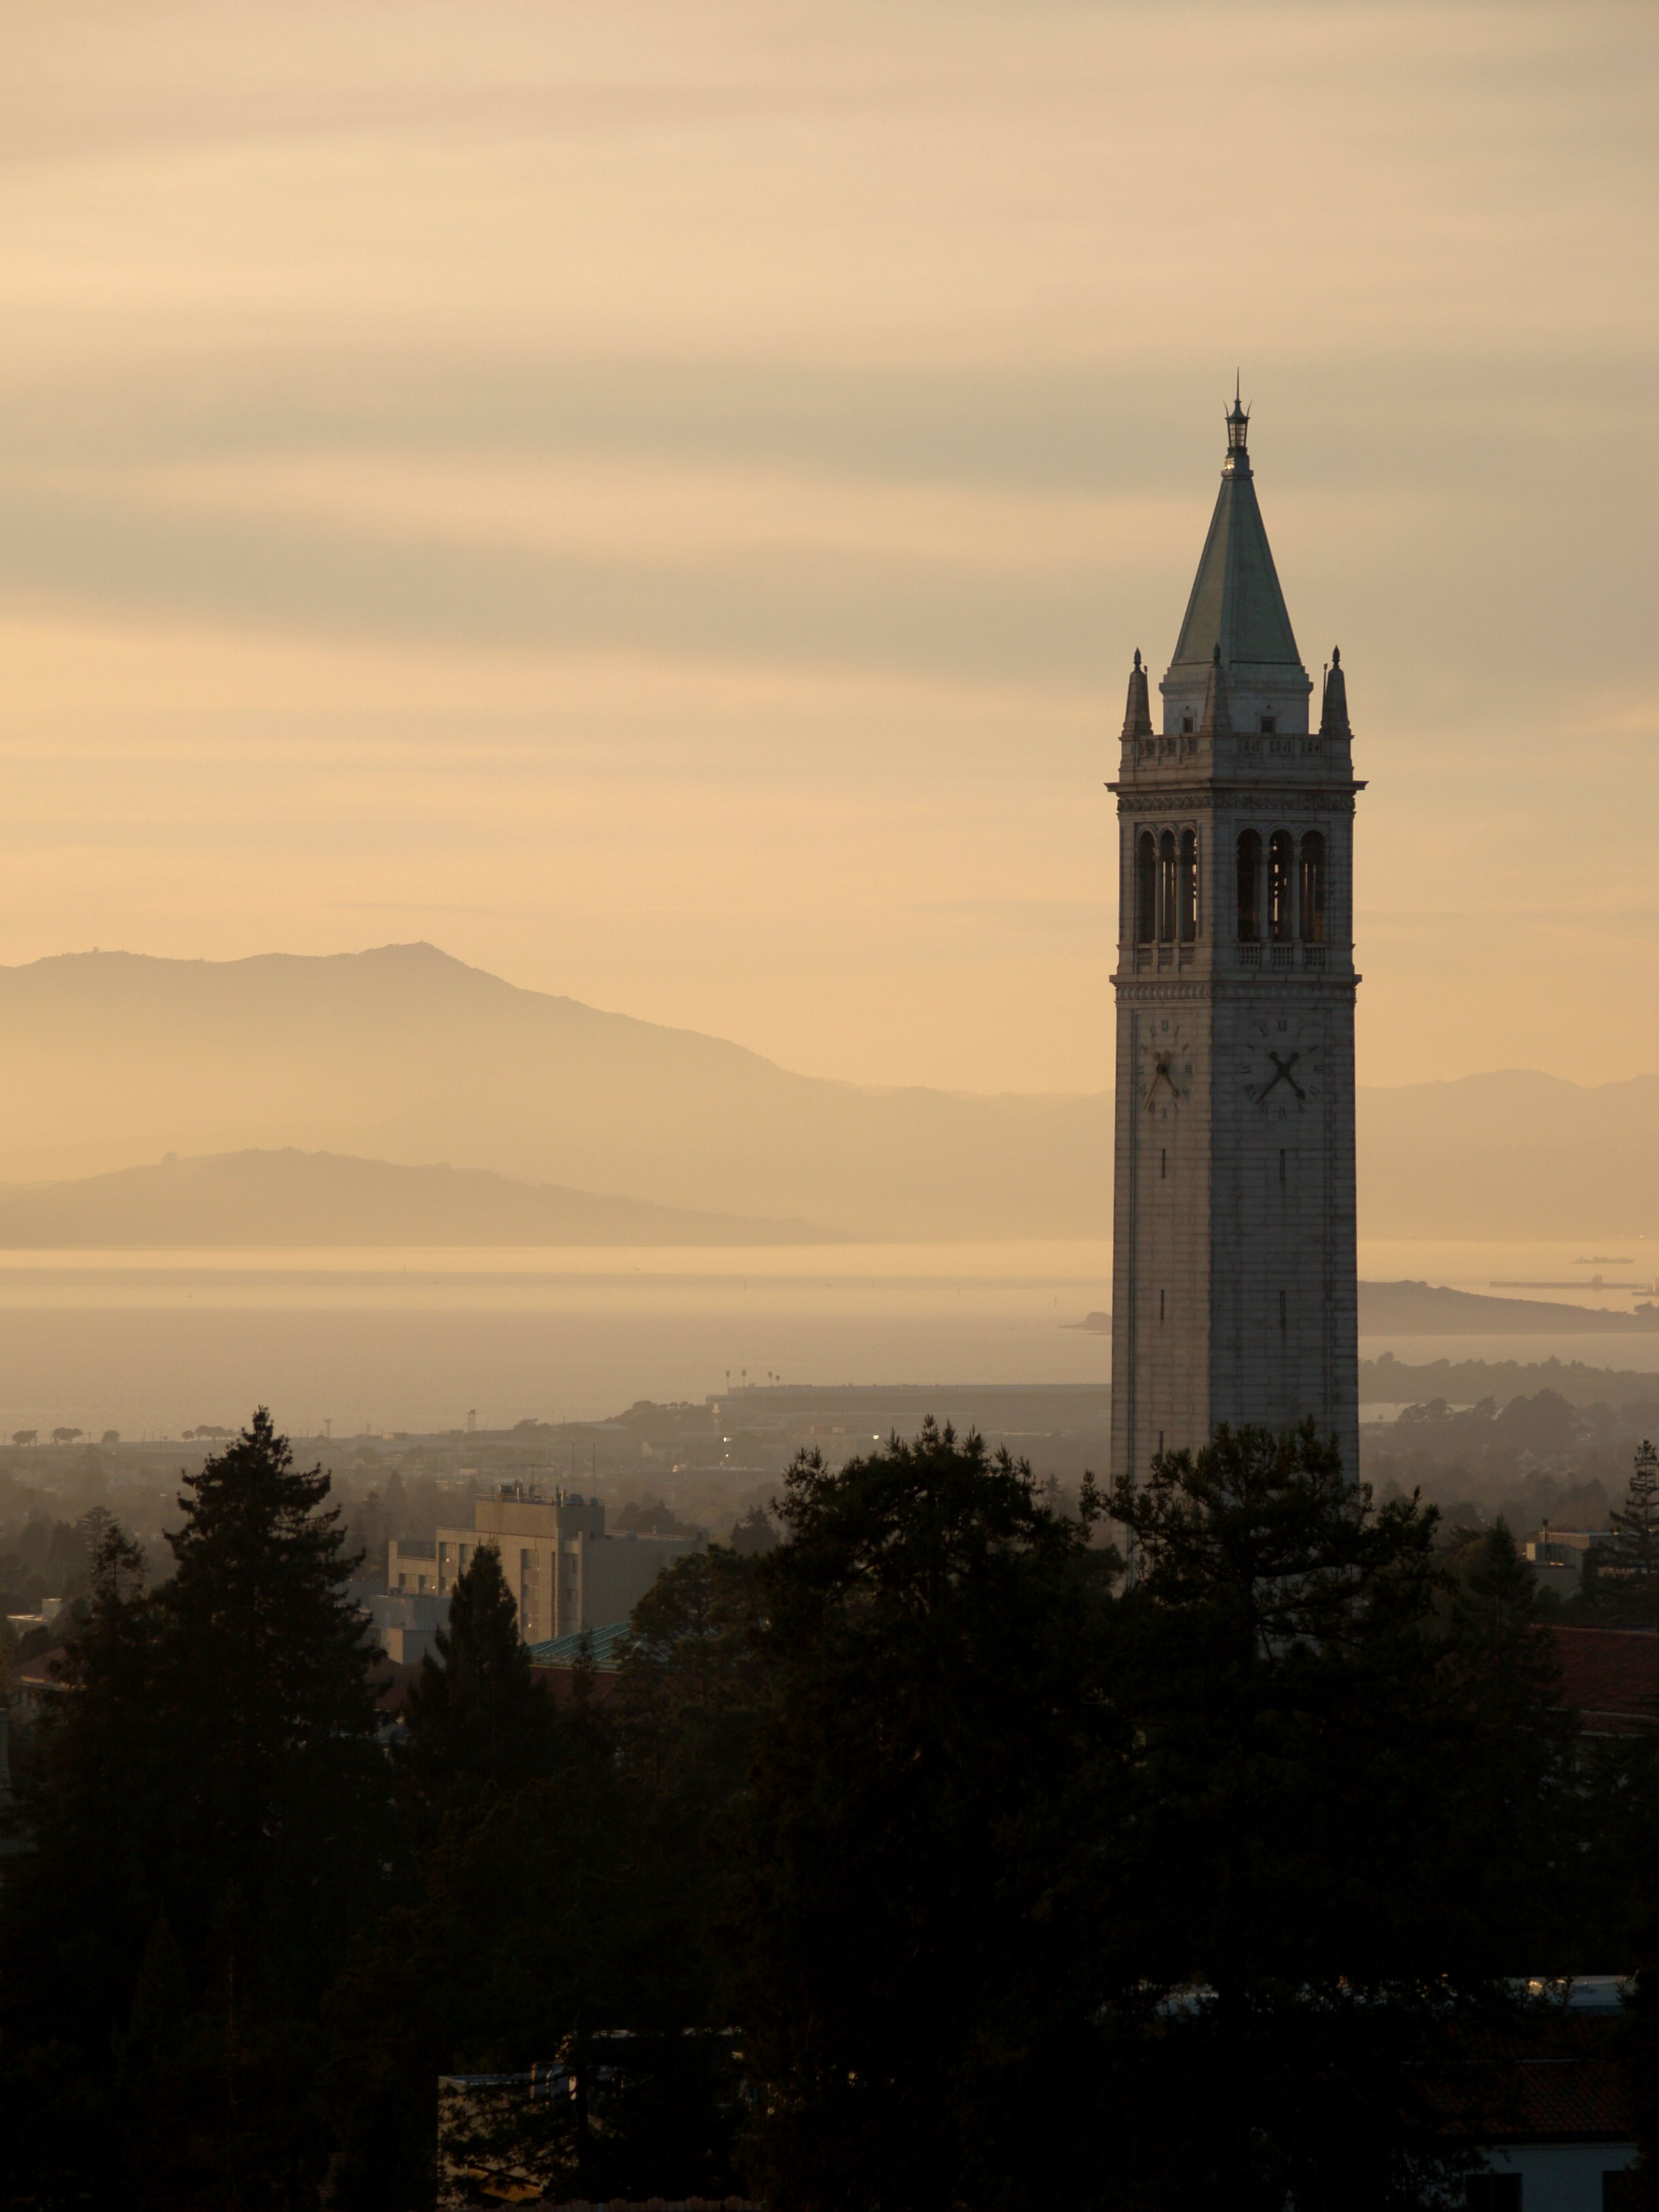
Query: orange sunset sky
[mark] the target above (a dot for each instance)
(659, 499)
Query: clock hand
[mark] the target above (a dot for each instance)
(1161, 1074)
(1283, 1075)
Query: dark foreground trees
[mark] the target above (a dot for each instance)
(206, 1824)
(1149, 1898)
(550, 1920)
(478, 1720)
(1621, 1584)
(936, 1857)
(1349, 1820)
(921, 1922)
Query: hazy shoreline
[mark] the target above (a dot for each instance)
(150, 1342)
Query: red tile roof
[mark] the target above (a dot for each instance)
(1610, 1676)
(1556, 2079)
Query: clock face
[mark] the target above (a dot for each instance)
(1163, 1063)
(1283, 1065)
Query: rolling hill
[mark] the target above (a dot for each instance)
(294, 1198)
(404, 1055)
(1432, 1309)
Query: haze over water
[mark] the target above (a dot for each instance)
(152, 1342)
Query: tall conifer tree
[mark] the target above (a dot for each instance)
(919, 1984)
(80, 1898)
(1636, 1520)
(476, 1714)
(210, 1822)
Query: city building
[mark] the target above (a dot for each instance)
(1234, 1291)
(404, 1623)
(1558, 1555)
(563, 1570)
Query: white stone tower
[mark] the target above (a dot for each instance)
(1234, 1294)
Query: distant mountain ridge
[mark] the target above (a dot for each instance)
(405, 1055)
(291, 1198)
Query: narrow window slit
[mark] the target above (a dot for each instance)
(1249, 888)
(1166, 888)
(1313, 888)
(1281, 886)
(1146, 887)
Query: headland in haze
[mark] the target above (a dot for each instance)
(289, 1198)
(401, 1058)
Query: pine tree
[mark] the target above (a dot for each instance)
(559, 1910)
(282, 1790)
(477, 1715)
(919, 1976)
(1315, 1712)
(270, 1668)
(211, 1823)
(76, 1906)
(1508, 1795)
(754, 1532)
(1637, 1522)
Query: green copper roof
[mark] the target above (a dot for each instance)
(606, 1645)
(1236, 603)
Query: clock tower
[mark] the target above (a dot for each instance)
(1234, 1294)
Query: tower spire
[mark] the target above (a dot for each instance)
(1333, 707)
(1138, 714)
(1239, 430)
(1236, 602)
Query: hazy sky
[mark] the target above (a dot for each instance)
(659, 499)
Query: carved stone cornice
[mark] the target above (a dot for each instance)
(1251, 798)
(1136, 989)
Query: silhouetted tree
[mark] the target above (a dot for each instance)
(1011, 1885)
(1637, 1522)
(754, 1532)
(1327, 1744)
(78, 1905)
(921, 1949)
(209, 1822)
(689, 1688)
(477, 1715)
(1511, 1802)
(369, 1533)
(559, 1914)
(1619, 1584)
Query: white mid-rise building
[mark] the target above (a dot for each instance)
(565, 1573)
